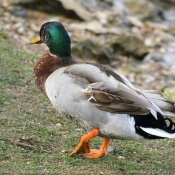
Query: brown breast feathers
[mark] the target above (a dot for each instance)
(44, 67)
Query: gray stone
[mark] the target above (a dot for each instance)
(19, 12)
(70, 8)
(129, 45)
(89, 50)
(163, 59)
(143, 9)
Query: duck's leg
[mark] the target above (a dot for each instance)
(83, 147)
(84, 144)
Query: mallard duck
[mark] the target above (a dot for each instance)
(97, 97)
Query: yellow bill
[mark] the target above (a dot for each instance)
(36, 40)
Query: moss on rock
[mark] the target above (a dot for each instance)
(169, 93)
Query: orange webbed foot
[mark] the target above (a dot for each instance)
(94, 154)
(83, 147)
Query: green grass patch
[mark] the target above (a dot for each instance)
(35, 140)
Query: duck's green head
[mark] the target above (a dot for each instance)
(56, 38)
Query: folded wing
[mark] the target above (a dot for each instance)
(110, 91)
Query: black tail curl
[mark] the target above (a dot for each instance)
(170, 125)
(149, 121)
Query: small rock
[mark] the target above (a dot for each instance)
(129, 45)
(149, 42)
(121, 157)
(90, 50)
(34, 27)
(96, 27)
(7, 103)
(41, 168)
(168, 58)
(156, 25)
(70, 8)
(142, 9)
(79, 129)
(135, 21)
(77, 8)
(169, 15)
(102, 17)
(169, 93)
(58, 125)
(20, 30)
(163, 59)
(110, 148)
(90, 5)
(19, 12)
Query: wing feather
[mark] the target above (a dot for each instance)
(113, 103)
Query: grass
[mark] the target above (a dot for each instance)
(35, 140)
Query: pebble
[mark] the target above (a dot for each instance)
(58, 125)
(7, 103)
(102, 17)
(34, 27)
(20, 30)
(121, 157)
(110, 148)
(19, 12)
(169, 15)
(135, 21)
(79, 129)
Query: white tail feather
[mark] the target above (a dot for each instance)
(158, 132)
